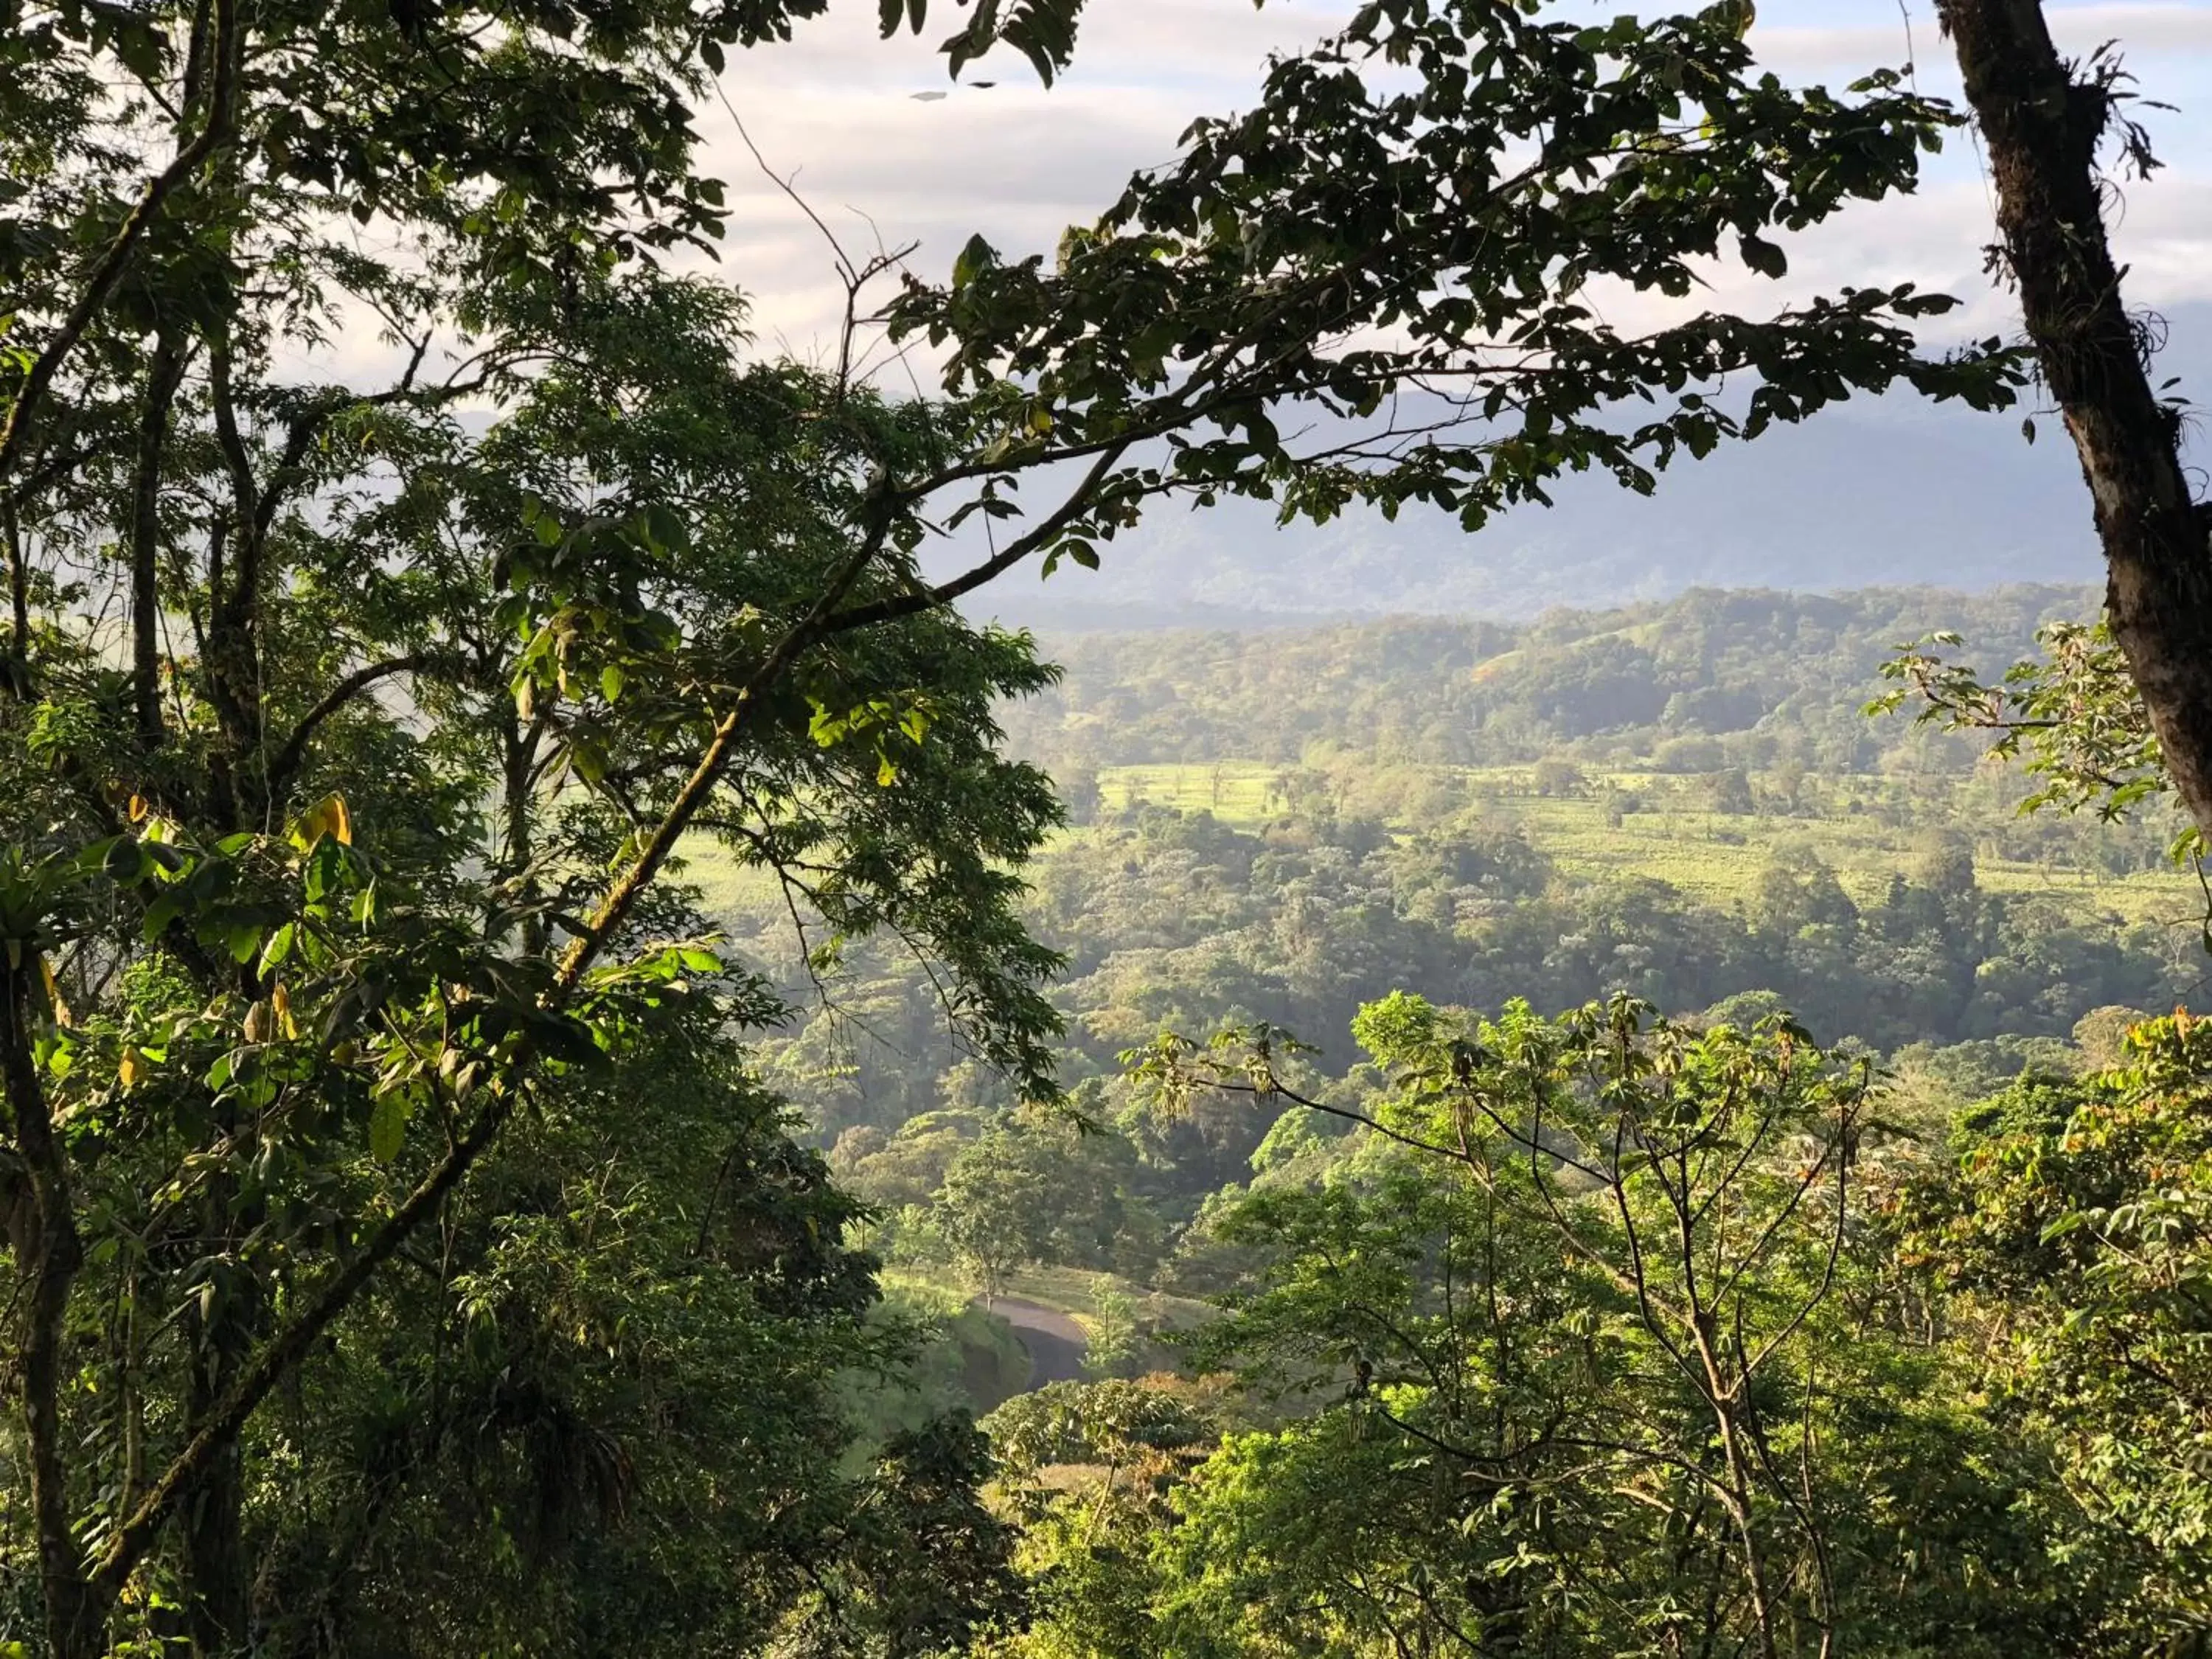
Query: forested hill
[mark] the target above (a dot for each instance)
(1773, 677)
(1684, 800)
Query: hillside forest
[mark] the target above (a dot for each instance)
(596, 1062)
(1358, 928)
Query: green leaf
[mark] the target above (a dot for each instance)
(388, 1125)
(161, 913)
(977, 258)
(278, 948)
(2072, 1222)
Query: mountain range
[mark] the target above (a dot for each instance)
(1878, 491)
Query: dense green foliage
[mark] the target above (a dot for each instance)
(1599, 1334)
(2074, 1242)
(417, 1242)
(1905, 905)
(404, 1258)
(595, 1403)
(1602, 1335)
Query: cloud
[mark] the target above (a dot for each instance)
(2161, 32)
(1018, 163)
(835, 112)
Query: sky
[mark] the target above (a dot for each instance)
(835, 111)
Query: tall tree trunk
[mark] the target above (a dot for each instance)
(220, 1335)
(217, 1573)
(18, 659)
(520, 742)
(2042, 123)
(42, 1230)
(162, 381)
(233, 667)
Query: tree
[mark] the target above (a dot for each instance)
(2073, 716)
(993, 1211)
(2046, 124)
(309, 1035)
(1089, 1468)
(1554, 776)
(286, 963)
(1112, 1329)
(1218, 290)
(926, 1569)
(1729, 790)
(2074, 1239)
(1590, 1328)
(607, 1414)
(1797, 890)
(349, 745)
(1018, 1196)
(1942, 862)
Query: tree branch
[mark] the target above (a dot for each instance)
(19, 603)
(907, 604)
(163, 378)
(116, 259)
(289, 758)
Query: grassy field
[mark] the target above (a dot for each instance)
(1713, 856)
(1241, 792)
(1716, 857)
(1072, 1290)
(731, 889)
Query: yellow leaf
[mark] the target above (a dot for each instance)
(280, 1003)
(133, 1068)
(54, 1003)
(327, 817)
(138, 808)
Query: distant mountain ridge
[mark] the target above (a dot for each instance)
(1882, 492)
(1759, 673)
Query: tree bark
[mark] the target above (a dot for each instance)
(43, 1233)
(232, 665)
(219, 1335)
(521, 741)
(162, 382)
(18, 603)
(217, 1574)
(2043, 121)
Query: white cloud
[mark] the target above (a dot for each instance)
(2147, 32)
(835, 111)
(1018, 163)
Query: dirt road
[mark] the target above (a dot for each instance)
(1055, 1342)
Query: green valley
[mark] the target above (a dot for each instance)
(1562, 1014)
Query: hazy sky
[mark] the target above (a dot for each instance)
(1018, 163)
